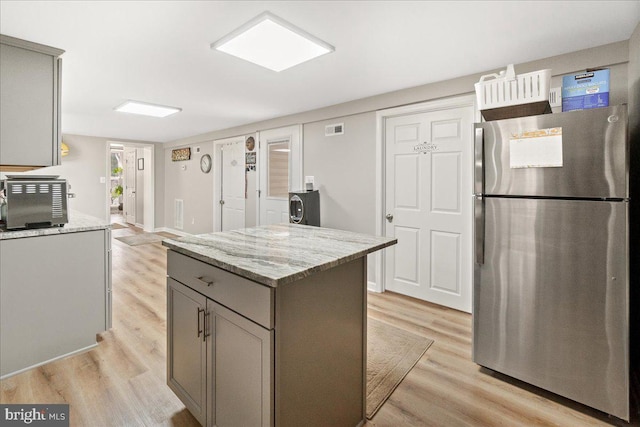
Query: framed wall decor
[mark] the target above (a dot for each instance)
(250, 161)
(180, 154)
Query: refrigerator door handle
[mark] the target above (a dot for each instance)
(478, 173)
(478, 211)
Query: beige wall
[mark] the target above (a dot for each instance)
(184, 180)
(344, 166)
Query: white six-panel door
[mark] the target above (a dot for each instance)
(428, 189)
(232, 202)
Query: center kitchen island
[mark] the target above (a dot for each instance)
(267, 326)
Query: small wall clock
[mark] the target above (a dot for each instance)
(250, 143)
(205, 163)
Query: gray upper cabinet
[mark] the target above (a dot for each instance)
(30, 104)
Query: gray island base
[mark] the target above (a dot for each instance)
(266, 326)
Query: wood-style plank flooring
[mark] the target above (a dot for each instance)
(123, 381)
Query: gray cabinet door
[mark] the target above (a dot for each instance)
(52, 297)
(29, 101)
(240, 370)
(186, 347)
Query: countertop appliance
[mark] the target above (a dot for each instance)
(304, 207)
(551, 280)
(33, 201)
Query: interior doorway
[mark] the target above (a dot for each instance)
(129, 183)
(280, 165)
(116, 184)
(427, 164)
(130, 188)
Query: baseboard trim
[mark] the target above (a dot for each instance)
(172, 231)
(373, 287)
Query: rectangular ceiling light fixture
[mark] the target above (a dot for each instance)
(272, 42)
(146, 109)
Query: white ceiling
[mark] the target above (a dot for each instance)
(158, 52)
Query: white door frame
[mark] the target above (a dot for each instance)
(149, 180)
(129, 179)
(378, 285)
(296, 166)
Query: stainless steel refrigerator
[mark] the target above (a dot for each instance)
(551, 278)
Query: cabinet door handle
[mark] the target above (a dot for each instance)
(200, 310)
(206, 325)
(202, 281)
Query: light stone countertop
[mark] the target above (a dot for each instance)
(77, 222)
(277, 254)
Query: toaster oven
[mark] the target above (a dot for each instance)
(32, 201)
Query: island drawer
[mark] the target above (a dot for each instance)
(250, 299)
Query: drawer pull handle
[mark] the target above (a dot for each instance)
(200, 310)
(203, 281)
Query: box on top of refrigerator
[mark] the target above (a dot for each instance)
(585, 90)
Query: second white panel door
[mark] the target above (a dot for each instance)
(428, 205)
(280, 172)
(232, 202)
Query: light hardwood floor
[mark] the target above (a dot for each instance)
(123, 381)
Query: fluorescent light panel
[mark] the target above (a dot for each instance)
(146, 109)
(273, 43)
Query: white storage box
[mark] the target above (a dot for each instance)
(507, 89)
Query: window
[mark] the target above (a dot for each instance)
(278, 169)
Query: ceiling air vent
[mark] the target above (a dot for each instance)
(334, 129)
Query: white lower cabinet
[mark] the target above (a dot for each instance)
(220, 364)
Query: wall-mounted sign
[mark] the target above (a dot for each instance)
(425, 147)
(180, 154)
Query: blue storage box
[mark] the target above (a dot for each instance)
(585, 90)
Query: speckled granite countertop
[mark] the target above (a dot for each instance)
(277, 254)
(77, 222)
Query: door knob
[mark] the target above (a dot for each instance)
(389, 217)
(222, 202)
